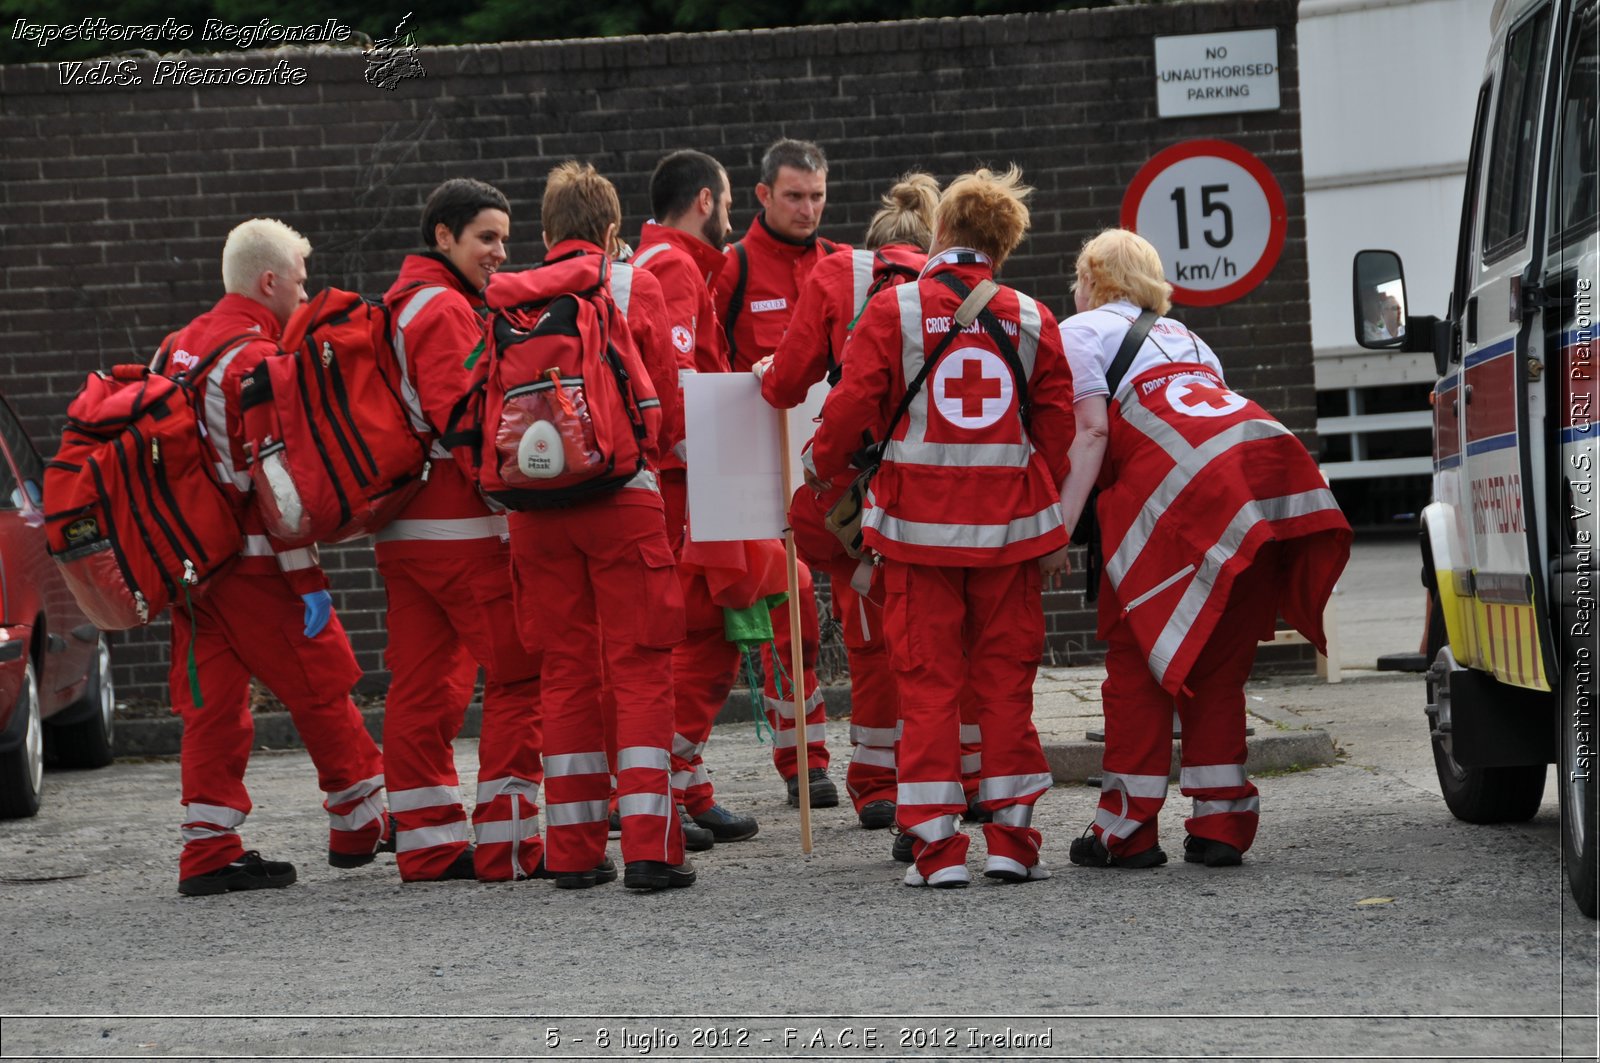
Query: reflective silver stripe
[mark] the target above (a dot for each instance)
(563, 764)
(785, 707)
(408, 392)
(1115, 826)
(649, 404)
(788, 737)
(489, 789)
(409, 841)
(643, 757)
(685, 749)
(424, 798)
(961, 455)
(621, 285)
(1014, 815)
(912, 353)
(365, 814)
(935, 829)
(971, 763)
(505, 831)
(682, 780)
(1151, 786)
(256, 546)
(644, 480)
(874, 736)
(873, 756)
(970, 732)
(297, 560)
(1014, 787)
(216, 416)
(1211, 776)
(369, 785)
(861, 274)
(220, 815)
(1190, 463)
(1194, 598)
(968, 536)
(930, 793)
(1028, 343)
(647, 254)
(645, 805)
(192, 833)
(1219, 808)
(444, 529)
(571, 813)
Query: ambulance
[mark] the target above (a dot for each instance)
(1510, 537)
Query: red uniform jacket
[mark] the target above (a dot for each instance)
(962, 482)
(777, 269)
(1196, 479)
(437, 325)
(833, 296)
(218, 400)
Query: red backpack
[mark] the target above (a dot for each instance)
(563, 396)
(330, 445)
(134, 513)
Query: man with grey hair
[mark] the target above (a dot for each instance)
(756, 292)
(268, 615)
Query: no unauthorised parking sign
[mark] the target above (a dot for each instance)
(1216, 214)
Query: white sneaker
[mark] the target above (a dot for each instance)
(956, 876)
(1008, 870)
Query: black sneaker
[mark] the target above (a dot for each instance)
(1210, 852)
(249, 872)
(901, 851)
(823, 793)
(348, 860)
(876, 815)
(724, 826)
(1088, 851)
(656, 875)
(696, 838)
(975, 814)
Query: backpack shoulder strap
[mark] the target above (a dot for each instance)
(736, 298)
(1131, 342)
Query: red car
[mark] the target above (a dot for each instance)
(55, 666)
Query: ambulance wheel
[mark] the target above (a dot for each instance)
(22, 766)
(1473, 795)
(87, 741)
(1575, 778)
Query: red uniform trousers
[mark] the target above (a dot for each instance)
(1138, 752)
(591, 579)
(254, 625)
(874, 699)
(951, 630)
(447, 616)
(705, 665)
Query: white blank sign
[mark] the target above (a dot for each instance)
(736, 488)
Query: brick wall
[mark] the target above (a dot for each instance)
(117, 199)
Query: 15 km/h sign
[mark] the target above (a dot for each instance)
(1216, 214)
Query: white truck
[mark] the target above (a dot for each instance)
(1510, 538)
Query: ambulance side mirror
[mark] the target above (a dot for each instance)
(1379, 299)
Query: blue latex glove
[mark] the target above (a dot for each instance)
(319, 610)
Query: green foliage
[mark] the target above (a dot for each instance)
(440, 22)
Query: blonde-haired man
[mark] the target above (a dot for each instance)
(268, 616)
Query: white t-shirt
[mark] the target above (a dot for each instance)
(1091, 340)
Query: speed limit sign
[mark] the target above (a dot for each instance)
(1216, 214)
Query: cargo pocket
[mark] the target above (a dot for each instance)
(658, 614)
(897, 615)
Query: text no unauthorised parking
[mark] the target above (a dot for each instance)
(1216, 214)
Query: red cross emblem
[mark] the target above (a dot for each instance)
(971, 388)
(1198, 396)
(1216, 398)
